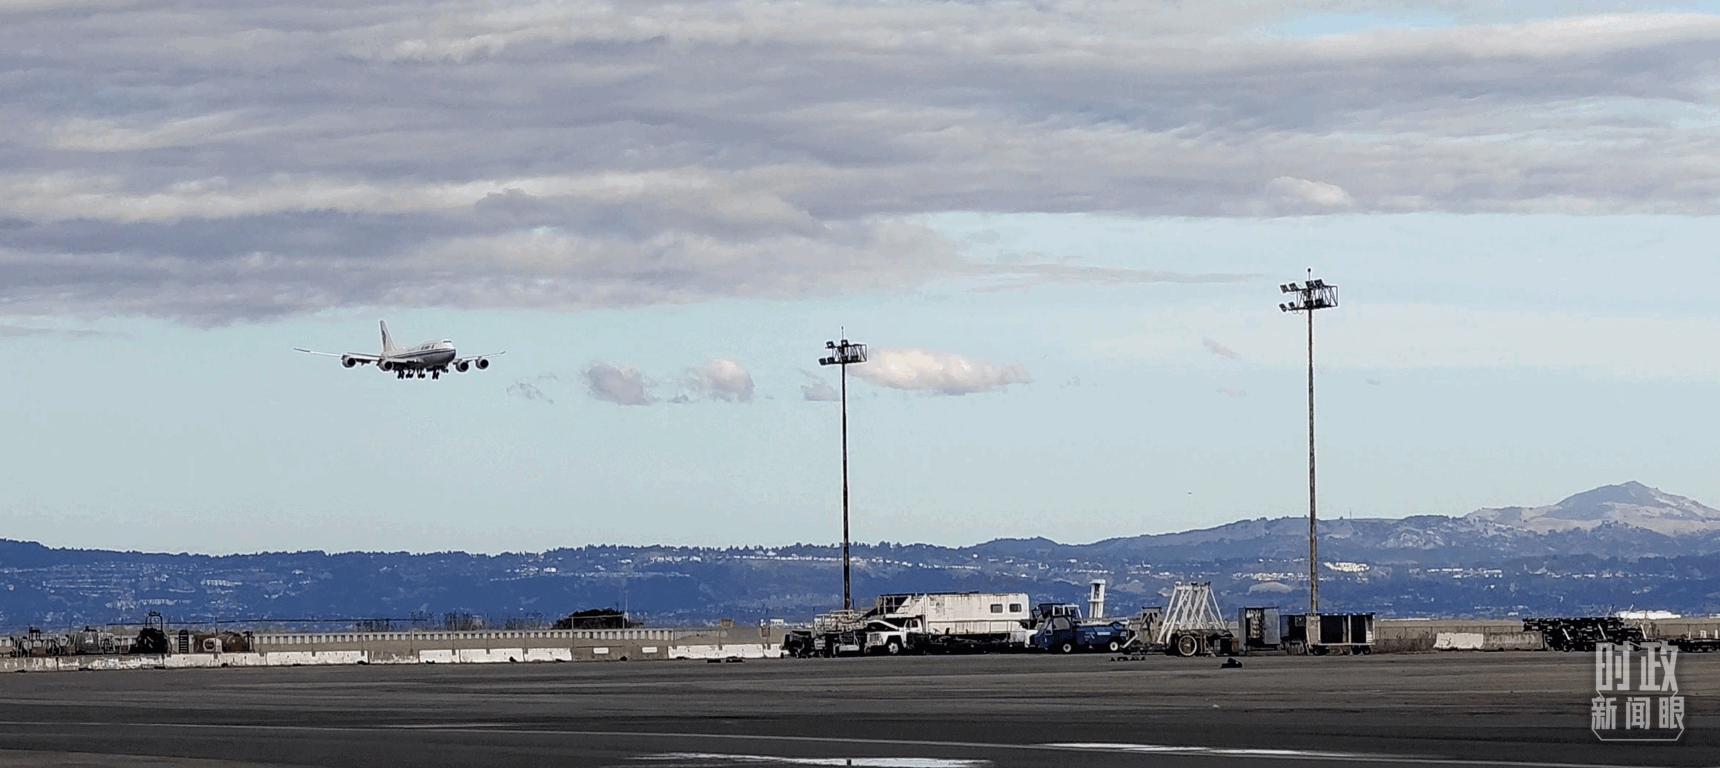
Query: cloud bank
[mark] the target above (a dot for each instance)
(255, 160)
(941, 372)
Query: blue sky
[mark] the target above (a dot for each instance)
(1063, 243)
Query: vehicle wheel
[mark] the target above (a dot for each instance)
(1067, 647)
(1113, 646)
(1188, 645)
(893, 647)
(1367, 651)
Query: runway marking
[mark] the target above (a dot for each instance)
(859, 762)
(1051, 747)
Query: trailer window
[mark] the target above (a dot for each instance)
(997, 607)
(1015, 607)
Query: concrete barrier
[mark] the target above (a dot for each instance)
(481, 647)
(1458, 641)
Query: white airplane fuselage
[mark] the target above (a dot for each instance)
(430, 354)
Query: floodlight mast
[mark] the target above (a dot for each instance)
(846, 354)
(1315, 294)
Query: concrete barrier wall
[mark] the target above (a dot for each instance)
(490, 647)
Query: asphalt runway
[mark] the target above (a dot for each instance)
(1455, 709)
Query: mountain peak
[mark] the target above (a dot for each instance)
(1630, 503)
(1630, 492)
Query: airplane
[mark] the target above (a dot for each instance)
(432, 357)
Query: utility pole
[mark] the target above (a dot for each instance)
(846, 354)
(1315, 294)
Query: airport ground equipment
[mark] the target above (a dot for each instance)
(937, 622)
(1059, 627)
(947, 622)
(1260, 628)
(1192, 624)
(1323, 633)
(1690, 644)
(836, 633)
(1583, 632)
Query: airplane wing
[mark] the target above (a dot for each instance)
(480, 361)
(356, 357)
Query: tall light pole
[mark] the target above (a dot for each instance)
(846, 354)
(1315, 294)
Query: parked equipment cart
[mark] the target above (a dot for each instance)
(1323, 633)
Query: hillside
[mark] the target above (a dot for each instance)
(1609, 548)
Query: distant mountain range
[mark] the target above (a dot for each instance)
(1614, 547)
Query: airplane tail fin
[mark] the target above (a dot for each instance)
(387, 341)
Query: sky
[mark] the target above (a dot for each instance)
(1060, 227)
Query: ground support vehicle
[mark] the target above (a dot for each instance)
(947, 622)
(1583, 632)
(1192, 625)
(1690, 644)
(933, 622)
(1059, 628)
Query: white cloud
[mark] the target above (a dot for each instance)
(721, 379)
(1316, 193)
(622, 385)
(941, 372)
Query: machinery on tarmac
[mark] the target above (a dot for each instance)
(930, 622)
(1192, 625)
(1582, 633)
(1058, 627)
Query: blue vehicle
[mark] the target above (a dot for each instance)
(1060, 628)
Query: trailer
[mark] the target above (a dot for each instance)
(1323, 633)
(1059, 627)
(1582, 633)
(1192, 625)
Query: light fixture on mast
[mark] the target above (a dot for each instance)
(846, 354)
(1310, 296)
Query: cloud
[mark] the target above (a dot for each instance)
(1233, 392)
(1375, 382)
(1219, 349)
(622, 385)
(1302, 195)
(529, 391)
(817, 389)
(941, 372)
(277, 159)
(721, 379)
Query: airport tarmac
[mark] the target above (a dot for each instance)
(1451, 709)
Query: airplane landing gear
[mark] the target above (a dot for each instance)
(435, 375)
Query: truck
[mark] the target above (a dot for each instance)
(946, 622)
(1059, 627)
(927, 622)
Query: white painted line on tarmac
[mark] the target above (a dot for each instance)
(1301, 754)
(1053, 747)
(858, 762)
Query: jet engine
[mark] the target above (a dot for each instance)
(483, 363)
(462, 367)
(348, 362)
(385, 365)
